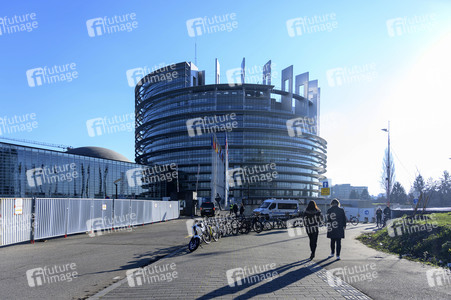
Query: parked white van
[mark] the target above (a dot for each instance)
(277, 207)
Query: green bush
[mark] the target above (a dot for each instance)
(432, 245)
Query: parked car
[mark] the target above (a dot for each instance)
(278, 207)
(207, 209)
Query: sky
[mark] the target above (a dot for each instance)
(375, 61)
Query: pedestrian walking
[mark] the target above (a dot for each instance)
(312, 220)
(241, 209)
(378, 216)
(387, 214)
(235, 210)
(336, 225)
(218, 200)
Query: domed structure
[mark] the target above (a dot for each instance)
(98, 152)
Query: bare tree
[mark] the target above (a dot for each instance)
(388, 174)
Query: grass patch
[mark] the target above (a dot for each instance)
(426, 239)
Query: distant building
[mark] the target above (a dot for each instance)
(343, 191)
(85, 172)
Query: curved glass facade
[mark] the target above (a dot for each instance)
(261, 134)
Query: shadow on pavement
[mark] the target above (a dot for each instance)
(274, 231)
(321, 264)
(281, 281)
(142, 260)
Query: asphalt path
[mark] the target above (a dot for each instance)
(100, 261)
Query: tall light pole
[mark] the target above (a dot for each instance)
(115, 183)
(388, 164)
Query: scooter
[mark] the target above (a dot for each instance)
(199, 235)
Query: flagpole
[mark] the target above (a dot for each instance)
(197, 181)
(226, 185)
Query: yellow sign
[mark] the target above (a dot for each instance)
(18, 206)
(325, 191)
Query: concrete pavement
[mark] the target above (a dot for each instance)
(362, 273)
(102, 263)
(216, 270)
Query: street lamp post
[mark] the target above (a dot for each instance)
(388, 164)
(115, 183)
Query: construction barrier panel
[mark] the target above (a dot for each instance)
(19, 222)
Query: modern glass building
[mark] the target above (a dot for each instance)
(85, 172)
(178, 115)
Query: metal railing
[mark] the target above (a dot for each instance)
(41, 218)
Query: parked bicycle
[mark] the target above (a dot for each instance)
(213, 230)
(353, 220)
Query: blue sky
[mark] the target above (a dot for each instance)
(408, 72)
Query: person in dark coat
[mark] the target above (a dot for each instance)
(378, 216)
(312, 220)
(235, 210)
(242, 209)
(336, 225)
(218, 200)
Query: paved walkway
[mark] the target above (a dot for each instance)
(278, 257)
(216, 270)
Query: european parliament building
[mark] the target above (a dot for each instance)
(267, 138)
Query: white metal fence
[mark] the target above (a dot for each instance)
(60, 217)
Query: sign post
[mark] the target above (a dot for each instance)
(325, 190)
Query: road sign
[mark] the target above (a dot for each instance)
(325, 191)
(415, 201)
(325, 184)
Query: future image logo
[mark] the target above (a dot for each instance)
(150, 175)
(95, 226)
(16, 124)
(401, 226)
(110, 125)
(151, 274)
(208, 25)
(160, 73)
(298, 126)
(312, 24)
(251, 275)
(355, 74)
(18, 23)
(54, 74)
(337, 276)
(211, 124)
(408, 25)
(135, 75)
(253, 74)
(106, 225)
(438, 277)
(57, 273)
(110, 25)
(135, 176)
(251, 174)
(53, 174)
